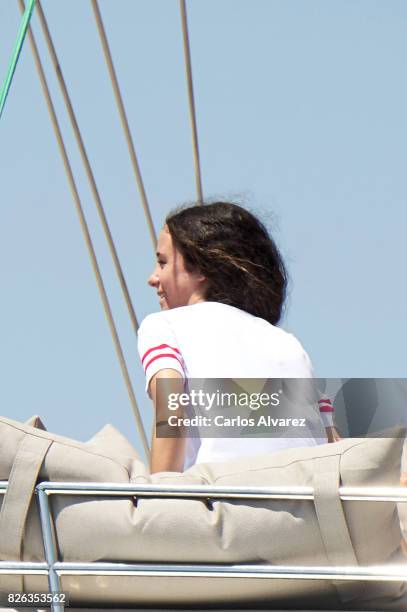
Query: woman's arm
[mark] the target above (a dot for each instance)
(332, 434)
(167, 454)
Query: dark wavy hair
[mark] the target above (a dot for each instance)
(234, 251)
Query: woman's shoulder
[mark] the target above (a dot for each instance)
(165, 321)
(215, 312)
(163, 317)
(185, 313)
(223, 319)
(151, 318)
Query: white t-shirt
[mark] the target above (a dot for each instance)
(213, 340)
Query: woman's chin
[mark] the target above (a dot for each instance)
(163, 304)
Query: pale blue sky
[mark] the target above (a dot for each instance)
(301, 108)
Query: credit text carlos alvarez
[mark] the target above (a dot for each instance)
(238, 421)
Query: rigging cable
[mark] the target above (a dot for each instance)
(123, 118)
(86, 163)
(192, 112)
(25, 22)
(87, 236)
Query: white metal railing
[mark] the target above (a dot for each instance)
(54, 569)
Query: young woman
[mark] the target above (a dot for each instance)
(221, 284)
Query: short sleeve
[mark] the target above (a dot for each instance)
(158, 347)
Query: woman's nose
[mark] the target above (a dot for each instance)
(153, 280)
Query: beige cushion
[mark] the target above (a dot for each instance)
(286, 532)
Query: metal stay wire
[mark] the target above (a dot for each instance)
(191, 99)
(18, 45)
(86, 235)
(86, 163)
(123, 118)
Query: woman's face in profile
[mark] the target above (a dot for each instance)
(175, 286)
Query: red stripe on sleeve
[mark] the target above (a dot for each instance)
(160, 346)
(326, 407)
(164, 355)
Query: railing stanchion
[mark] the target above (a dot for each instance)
(50, 547)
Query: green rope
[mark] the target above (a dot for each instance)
(25, 22)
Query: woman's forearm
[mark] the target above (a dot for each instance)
(167, 454)
(333, 434)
